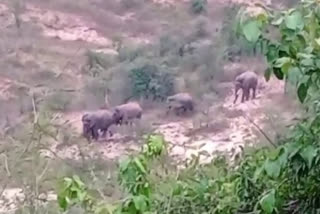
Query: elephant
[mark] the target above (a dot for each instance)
(94, 121)
(246, 81)
(125, 113)
(181, 102)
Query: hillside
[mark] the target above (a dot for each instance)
(63, 58)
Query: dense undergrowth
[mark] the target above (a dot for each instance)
(269, 180)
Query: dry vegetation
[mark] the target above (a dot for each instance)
(61, 58)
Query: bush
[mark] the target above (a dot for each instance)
(129, 4)
(58, 101)
(98, 62)
(199, 6)
(167, 44)
(235, 45)
(269, 180)
(95, 91)
(129, 52)
(200, 28)
(151, 81)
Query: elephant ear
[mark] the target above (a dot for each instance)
(116, 113)
(88, 120)
(92, 122)
(84, 117)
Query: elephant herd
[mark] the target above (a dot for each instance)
(180, 103)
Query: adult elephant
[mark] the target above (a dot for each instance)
(101, 120)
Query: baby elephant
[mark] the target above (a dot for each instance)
(127, 112)
(246, 81)
(94, 121)
(181, 102)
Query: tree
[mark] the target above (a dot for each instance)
(290, 41)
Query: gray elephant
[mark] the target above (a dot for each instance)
(125, 113)
(181, 102)
(94, 121)
(246, 81)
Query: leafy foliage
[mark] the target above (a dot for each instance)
(295, 51)
(150, 81)
(199, 6)
(133, 176)
(280, 180)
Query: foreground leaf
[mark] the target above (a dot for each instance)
(302, 92)
(272, 168)
(268, 202)
(308, 154)
(294, 21)
(251, 31)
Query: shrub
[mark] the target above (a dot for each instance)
(58, 101)
(235, 45)
(199, 6)
(200, 27)
(151, 81)
(95, 91)
(98, 62)
(167, 44)
(129, 4)
(129, 52)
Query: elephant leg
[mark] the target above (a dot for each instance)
(120, 122)
(95, 133)
(180, 110)
(110, 133)
(185, 109)
(235, 98)
(176, 111)
(167, 111)
(247, 94)
(254, 93)
(104, 133)
(191, 107)
(243, 95)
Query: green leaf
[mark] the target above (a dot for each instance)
(279, 63)
(278, 73)
(252, 31)
(268, 201)
(273, 155)
(259, 171)
(294, 75)
(267, 74)
(78, 181)
(307, 62)
(140, 165)
(272, 168)
(63, 204)
(262, 18)
(124, 164)
(302, 92)
(278, 21)
(140, 202)
(294, 21)
(308, 154)
(305, 55)
(317, 41)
